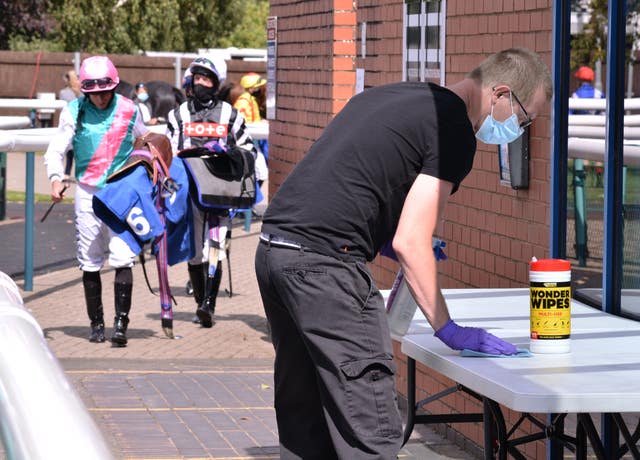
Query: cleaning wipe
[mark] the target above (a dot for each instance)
(521, 353)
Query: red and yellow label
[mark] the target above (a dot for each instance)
(550, 310)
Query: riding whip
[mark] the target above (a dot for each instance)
(46, 214)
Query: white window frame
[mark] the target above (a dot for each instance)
(424, 54)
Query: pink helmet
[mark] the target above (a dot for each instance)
(97, 73)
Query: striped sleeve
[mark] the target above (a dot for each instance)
(238, 129)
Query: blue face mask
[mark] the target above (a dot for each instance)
(143, 97)
(499, 132)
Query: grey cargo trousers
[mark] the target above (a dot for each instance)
(334, 373)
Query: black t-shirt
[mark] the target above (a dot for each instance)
(344, 198)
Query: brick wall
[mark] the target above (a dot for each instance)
(491, 230)
(315, 64)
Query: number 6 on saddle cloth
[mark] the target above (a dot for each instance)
(147, 201)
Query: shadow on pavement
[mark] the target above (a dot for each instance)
(82, 332)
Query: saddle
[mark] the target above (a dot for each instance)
(223, 179)
(153, 151)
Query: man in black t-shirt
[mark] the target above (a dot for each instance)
(382, 170)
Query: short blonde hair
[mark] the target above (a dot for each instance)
(520, 69)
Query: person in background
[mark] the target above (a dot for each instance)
(247, 104)
(382, 170)
(101, 126)
(70, 92)
(586, 90)
(187, 83)
(142, 98)
(204, 108)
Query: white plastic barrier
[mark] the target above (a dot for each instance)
(26, 140)
(259, 130)
(576, 103)
(598, 132)
(41, 415)
(37, 139)
(9, 122)
(32, 103)
(600, 120)
(594, 149)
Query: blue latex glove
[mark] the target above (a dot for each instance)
(438, 249)
(473, 338)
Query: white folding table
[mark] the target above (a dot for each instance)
(601, 374)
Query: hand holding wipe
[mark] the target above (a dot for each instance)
(473, 338)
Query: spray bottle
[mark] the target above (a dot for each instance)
(401, 306)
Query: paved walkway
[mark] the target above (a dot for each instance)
(207, 394)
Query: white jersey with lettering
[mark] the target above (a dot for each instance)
(188, 127)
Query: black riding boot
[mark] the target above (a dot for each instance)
(197, 276)
(207, 307)
(122, 288)
(93, 297)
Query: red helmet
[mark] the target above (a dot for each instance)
(585, 73)
(97, 73)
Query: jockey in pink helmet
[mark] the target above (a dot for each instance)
(100, 127)
(97, 73)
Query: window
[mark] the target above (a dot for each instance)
(424, 32)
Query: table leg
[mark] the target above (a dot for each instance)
(411, 399)
(635, 437)
(489, 430)
(610, 435)
(581, 442)
(592, 434)
(556, 448)
(498, 429)
(626, 435)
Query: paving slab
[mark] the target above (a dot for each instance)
(205, 395)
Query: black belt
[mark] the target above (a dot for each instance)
(279, 242)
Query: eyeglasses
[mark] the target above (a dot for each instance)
(528, 120)
(101, 83)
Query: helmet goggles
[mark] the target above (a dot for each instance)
(101, 83)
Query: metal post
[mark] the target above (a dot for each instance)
(630, 80)
(178, 71)
(598, 82)
(3, 185)
(580, 207)
(559, 135)
(76, 62)
(29, 222)
(613, 220)
(559, 148)
(247, 220)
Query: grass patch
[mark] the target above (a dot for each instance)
(20, 197)
(595, 194)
